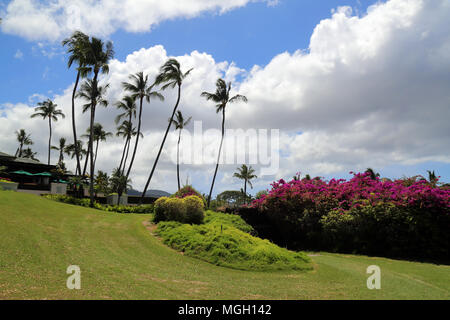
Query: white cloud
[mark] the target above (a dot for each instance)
(53, 19)
(371, 91)
(18, 54)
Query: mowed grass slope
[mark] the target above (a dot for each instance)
(120, 259)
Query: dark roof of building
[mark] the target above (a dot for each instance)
(5, 155)
(27, 160)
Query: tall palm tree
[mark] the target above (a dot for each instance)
(127, 131)
(99, 135)
(139, 89)
(47, 109)
(61, 149)
(179, 124)
(247, 174)
(170, 76)
(77, 45)
(97, 55)
(221, 97)
(90, 91)
(24, 139)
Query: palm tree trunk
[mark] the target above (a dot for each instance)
(91, 140)
(178, 161)
(74, 128)
(137, 138)
(218, 157)
(49, 138)
(96, 150)
(87, 159)
(126, 156)
(123, 154)
(162, 146)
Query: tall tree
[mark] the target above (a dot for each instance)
(221, 97)
(179, 124)
(170, 76)
(127, 131)
(139, 89)
(77, 45)
(247, 174)
(98, 55)
(128, 105)
(89, 92)
(99, 135)
(24, 139)
(61, 148)
(373, 175)
(48, 110)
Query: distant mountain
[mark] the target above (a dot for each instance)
(149, 193)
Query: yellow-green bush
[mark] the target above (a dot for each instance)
(194, 209)
(186, 210)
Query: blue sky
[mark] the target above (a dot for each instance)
(249, 36)
(356, 100)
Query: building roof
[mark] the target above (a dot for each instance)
(27, 160)
(5, 155)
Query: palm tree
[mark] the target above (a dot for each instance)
(77, 45)
(70, 150)
(24, 139)
(179, 124)
(97, 55)
(140, 89)
(99, 135)
(119, 182)
(89, 91)
(101, 182)
(47, 109)
(170, 76)
(29, 154)
(61, 149)
(127, 131)
(247, 174)
(221, 97)
(432, 178)
(373, 175)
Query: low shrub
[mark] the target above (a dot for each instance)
(225, 245)
(231, 220)
(194, 209)
(86, 203)
(185, 210)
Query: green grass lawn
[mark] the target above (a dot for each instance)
(121, 259)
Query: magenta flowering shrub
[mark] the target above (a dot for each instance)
(363, 214)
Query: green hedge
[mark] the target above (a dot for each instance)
(224, 245)
(185, 210)
(115, 208)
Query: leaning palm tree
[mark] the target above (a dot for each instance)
(127, 131)
(99, 135)
(90, 91)
(221, 97)
(61, 149)
(179, 124)
(47, 109)
(24, 139)
(170, 76)
(247, 174)
(77, 45)
(97, 55)
(140, 89)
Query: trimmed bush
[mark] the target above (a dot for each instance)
(226, 246)
(175, 209)
(159, 210)
(194, 209)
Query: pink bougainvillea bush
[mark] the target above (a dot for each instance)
(364, 214)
